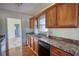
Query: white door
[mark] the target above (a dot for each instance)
(14, 36)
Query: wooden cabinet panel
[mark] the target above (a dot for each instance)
(67, 15)
(58, 52)
(62, 15)
(28, 40)
(36, 45)
(51, 18)
(78, 15)
(32, 23)
(32, 39)
(33, 44)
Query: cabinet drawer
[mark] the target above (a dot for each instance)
(58, 52)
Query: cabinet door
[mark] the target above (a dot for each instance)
(32, 23)
(51, 18)
(66, 15)
(36, 45)
(32, 42)
(28, 40)
(58, 52)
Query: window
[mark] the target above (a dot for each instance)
(41, 24)
(17, 30)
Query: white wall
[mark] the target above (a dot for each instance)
(3, 18)
(72, 33)
(25, 27)
(10, 27)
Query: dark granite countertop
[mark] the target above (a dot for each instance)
(66, 44)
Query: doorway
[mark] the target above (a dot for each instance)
(14, 34)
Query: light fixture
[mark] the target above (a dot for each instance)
(19, 4)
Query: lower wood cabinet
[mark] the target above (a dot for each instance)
(36, 45)
(28, 40)
(54, 51)
(32, 22)
(58, 52)
(33, 44)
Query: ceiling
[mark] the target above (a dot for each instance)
(26, 8)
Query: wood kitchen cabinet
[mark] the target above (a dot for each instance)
(32, 23)
(27, 38)
(51, 17)
(36, 45)
(33, 44)
(58, 52)
(67, 15)
(63, 15)
(29, 41)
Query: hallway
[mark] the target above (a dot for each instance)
(25, 51)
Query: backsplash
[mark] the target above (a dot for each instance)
(71, 33)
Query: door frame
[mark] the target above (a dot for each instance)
(7, 47)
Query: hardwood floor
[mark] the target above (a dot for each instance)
(26, 51)
(20, 51)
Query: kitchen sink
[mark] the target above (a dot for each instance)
(41, 36)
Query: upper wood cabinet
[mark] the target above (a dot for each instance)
(51, 17)
(62, 16)
(67, 15)
(32, 23)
